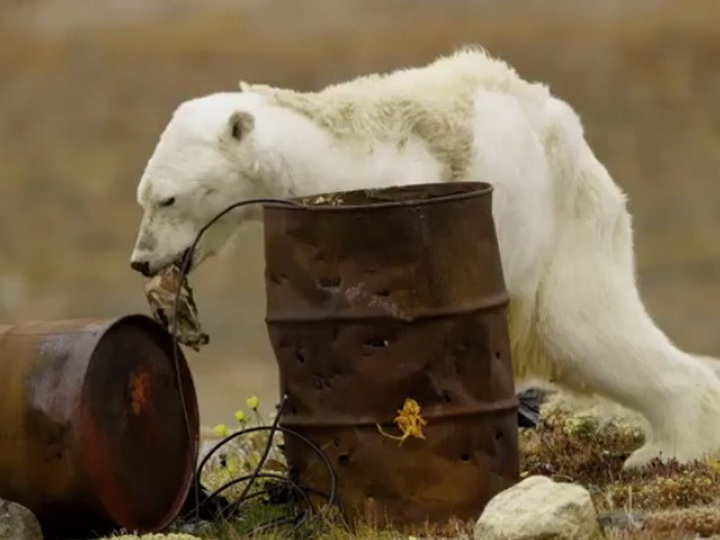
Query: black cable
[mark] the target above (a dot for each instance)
(268, 446)
(275, 427)
(287, 431)
(255, 475)
(331, 496)
(303, 491)
(185, 267)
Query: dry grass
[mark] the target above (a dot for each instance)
(673, 499)
(573, 445)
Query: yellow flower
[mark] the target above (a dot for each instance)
(221, 430)
(240, 416)
(253, 403)
(408, 421)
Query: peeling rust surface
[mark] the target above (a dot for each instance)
(92, 430)
(375, 296)
(140, 389)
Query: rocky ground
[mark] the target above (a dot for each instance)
(572, 486)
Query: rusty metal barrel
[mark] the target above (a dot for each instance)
(94, 435)
(377, 296)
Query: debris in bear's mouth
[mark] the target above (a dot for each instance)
(161, 291)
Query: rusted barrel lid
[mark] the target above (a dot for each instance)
(138, 433)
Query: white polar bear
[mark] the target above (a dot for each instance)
(564, 232)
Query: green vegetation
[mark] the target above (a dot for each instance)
(676, 501)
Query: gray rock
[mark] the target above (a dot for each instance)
(18, 523)
(538, 508)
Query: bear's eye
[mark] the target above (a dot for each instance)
(167, 202)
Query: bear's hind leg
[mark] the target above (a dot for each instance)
(594, 328)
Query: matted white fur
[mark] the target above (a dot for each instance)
(564, 231)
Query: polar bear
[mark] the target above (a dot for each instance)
(563, 227)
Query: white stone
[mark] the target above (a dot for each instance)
(18, 523)
(538, 508)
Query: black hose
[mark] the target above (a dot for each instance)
(275, 427)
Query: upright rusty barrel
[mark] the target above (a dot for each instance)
(92, 427)
(375, 296)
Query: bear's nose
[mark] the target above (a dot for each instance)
(141, 266)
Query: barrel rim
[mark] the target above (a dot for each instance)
(40, 327)
(191, 401)
(465, 190)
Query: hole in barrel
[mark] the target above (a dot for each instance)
(446, 396)
(277, 279)
(299, 357)
(499, 435)
(329, 282)
(344, 459)
(383, 293)
(377, 343)
(465, 457)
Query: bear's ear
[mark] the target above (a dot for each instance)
(241, 123)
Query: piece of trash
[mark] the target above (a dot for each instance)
(161, 291)
(408, 421)
(530, 402)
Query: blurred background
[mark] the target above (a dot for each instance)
(86, 87)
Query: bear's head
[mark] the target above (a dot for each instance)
(204, 161)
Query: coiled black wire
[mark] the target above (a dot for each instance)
(297, 521)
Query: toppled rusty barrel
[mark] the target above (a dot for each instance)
(92, 428)
(375, 296)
